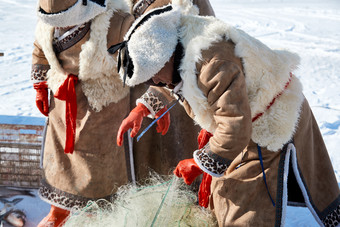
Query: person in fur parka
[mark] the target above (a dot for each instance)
(167, 155)
(266, 150)
(87, 101)
(81, 161)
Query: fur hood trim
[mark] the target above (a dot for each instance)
(97, 69)
(265, 78)
(146, 46)
(147, 49)
(75, 15)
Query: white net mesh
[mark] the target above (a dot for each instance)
(163, 202)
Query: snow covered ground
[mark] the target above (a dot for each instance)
(310, 28)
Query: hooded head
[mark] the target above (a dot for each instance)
(148, 45)
(65, 13)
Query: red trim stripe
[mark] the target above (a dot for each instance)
(272, 102)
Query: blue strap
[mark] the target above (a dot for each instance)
(264, 175)
(154, 121)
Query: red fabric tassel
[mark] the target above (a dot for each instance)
(204, 190)
(67, 93)
(203, 138)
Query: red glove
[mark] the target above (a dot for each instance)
(164, 122)
(41, 99)
(188, 170)
(134, 121)
(203, 138)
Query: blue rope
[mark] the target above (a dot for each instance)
(264, 175)
(154, 121)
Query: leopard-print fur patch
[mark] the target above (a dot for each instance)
(209, 160)
(152, 100)
(71, 39)
(333, 219)
(39, 73)
(63, 199)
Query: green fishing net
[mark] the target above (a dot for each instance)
(162, 201)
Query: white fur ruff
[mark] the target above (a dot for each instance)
(147, 46)
(97, 68)
(56, 74)
(75, 15)
(266, 77)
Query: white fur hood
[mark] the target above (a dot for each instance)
(97, 68)
(277, 125)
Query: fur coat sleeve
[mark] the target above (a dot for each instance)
(40, 65)
(222, 81)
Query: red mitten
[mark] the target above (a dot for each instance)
(203, 138)
(56, 217)
(41, 99)
(134, 121)
(164, 122)
(188, 170)
(204, 191)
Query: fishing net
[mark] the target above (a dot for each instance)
(161, 202)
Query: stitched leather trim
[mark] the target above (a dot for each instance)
(141, 6)
(72, 39)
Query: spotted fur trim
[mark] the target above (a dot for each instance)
(333, 219)
(39, 73)
(210, 162)
(63, 199)
(152, 102)
(71, 39)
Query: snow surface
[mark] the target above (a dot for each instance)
(310, 28)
